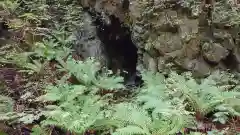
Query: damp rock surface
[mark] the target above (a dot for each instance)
(88, 43)
(109, 41)
(198, 36)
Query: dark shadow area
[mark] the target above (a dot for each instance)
(230, 61)
(4, 30)
(120, 50)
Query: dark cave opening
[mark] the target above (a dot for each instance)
(119, 48)
(3, 29)
(230, 61)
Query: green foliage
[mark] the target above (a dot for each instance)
(205, 97)
(154, 112)
(75, 110)
(75, 115)
(226, 12)
(79, 108)
(25, 117)
(192, 5)
(55, 46)
(87, 72)
(216, 132)
(37, 130)
(138, 118)
(6, 104)
(163, 106)
(9, 6)
(50, 50)
(225, 80)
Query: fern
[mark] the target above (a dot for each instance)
(75, 116)
(87, 72)
(7, 109)
(154, 112)
(78, 108)
(74, 111)
(196, 133)
(131, 115)
(171, 111)
(130, 130)
(205, 97)
(216, 132)
(9, 6)
(6, 104)
(225, 80)
(37, 130)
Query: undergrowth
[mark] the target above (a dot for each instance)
(162, 106)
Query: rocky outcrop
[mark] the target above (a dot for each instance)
(185, 33)
(88, 43)
(108, 40)
(195, 35)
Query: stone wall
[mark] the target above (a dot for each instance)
(189, 37)
(194, 35)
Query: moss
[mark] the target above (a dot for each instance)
(226, 14)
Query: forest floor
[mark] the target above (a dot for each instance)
(28, 64)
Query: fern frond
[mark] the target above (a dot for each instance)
(151, 78)
(131, 130)
(130, 113)
(205, 97)
(87, 73)
(37, 130)
(109, 83)
(84, 71)
(76, 115)
(6, 104)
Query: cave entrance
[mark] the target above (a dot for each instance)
(119, 47)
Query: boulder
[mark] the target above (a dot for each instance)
(214, 52)
(87, 42)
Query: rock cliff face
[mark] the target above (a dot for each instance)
(106, 38)
(195, 35)
(88, 43)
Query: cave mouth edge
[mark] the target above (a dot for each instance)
(119, 49)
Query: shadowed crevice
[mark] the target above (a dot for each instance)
(118, 46)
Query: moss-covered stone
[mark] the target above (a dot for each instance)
(177, 31)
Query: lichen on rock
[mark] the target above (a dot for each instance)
(183, 29)
(196, 35)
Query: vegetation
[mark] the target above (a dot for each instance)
(55, 92)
